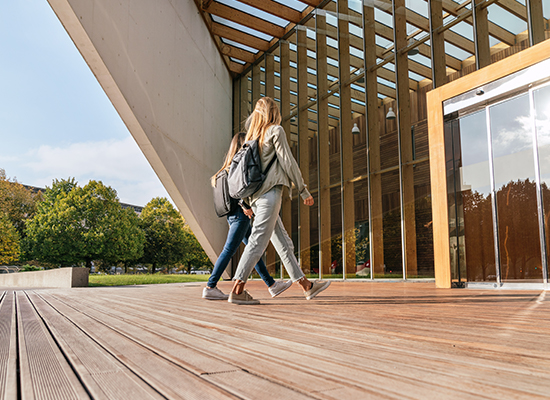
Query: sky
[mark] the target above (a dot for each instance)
(56, 121)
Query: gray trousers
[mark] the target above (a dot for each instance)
(268, 226)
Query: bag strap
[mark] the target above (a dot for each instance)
(270, 163)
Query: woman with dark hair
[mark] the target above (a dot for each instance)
(239, 231)
(264, 125)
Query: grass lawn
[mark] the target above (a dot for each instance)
(143, 279)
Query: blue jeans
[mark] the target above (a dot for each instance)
(239, 231)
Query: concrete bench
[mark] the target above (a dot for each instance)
(51, 278)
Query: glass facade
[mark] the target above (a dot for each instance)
(351, 82)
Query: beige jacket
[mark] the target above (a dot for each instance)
(285, 169)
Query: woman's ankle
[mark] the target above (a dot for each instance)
(305, 283)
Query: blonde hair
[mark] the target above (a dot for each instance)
(234, 147)
(265, 114)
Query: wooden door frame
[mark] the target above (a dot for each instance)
(438, 177)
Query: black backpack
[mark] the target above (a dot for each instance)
(245, 174)
(223, 202)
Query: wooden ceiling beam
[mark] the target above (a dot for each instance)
(236, 67)
(312, 3)
(421, 22)
(208, 21)
(276, 9)
(239, 37)
(495, 30)
(245, 19)
(239, 54)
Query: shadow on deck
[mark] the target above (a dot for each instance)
(355, 341)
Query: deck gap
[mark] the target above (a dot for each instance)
(59, 347)
(99, 344)
(223, 372)
(17, 360)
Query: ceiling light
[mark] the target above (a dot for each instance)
(390, 114)
(355, 130)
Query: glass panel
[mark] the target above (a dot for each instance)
(514, 172)
(452, 152)
(359, 137)
(292, 124)
(542, 112)
(423, 205)
(474, 188)
(391, 208)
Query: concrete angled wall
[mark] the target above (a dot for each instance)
(163, 73)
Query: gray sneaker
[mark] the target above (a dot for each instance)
(279, 287)
(243, 298)
(213, 294)
(316, 288)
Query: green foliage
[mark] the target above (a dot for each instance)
(27, 268)
(143, 279)
(17, 202)
(75, 225)
(194, 255)
(9, 241)
(165, 239)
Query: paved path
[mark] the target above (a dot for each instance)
(355, 341)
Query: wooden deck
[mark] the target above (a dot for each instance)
(355, 341)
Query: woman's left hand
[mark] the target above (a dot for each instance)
(248, 212)
(309, 201)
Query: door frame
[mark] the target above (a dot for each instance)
(438, 177)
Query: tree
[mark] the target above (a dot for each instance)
(75, 225)
(164, 234)
(17, 202)
(194, 254)
(9, 241)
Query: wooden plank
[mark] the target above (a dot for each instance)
(8, 347)
(201, 352)
(236, 67)
(237, 53)
(346, 140)
(103, 375)
(270, 92)
(495, 30)
(284, 68)
(270, 75)
(535, 21)
(244, 103)
(405, 140)
(429, 351)
(275, 8)
(303, 147)
(421, 22)
(245, 19)
(239, 37)
(437, 40)
(159, 371)
(324, 157)
(44, 371)
(481, 35)
(256, 84)
(373, 137)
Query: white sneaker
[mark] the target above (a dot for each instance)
(279, 287)
(213, 294)
(316, 288)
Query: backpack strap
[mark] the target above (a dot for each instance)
(270, 163)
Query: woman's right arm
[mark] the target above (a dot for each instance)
(288, 162)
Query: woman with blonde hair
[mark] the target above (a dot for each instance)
(264, 125)
(239, 231)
